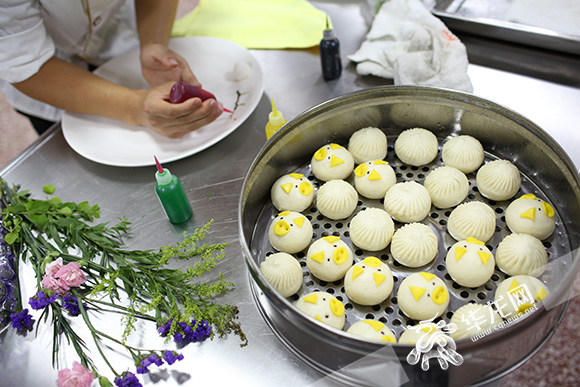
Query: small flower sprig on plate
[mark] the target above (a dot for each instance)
(105, 277)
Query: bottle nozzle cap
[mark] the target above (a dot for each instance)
(328, 33)
(276, 117)
(163, 176)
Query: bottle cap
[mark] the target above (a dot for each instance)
(163, 176)
(276, 117)
(328, 32)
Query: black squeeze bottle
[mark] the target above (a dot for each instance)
(330, 54)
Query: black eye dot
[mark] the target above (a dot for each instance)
(433, 282)
(326, 316)
(328, 260)
(428, 295)
(378, 269)
(363, 266)
(335, 246)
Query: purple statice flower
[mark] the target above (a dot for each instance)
(70, 303)
(188, 334)
(41, 300)
(142, 370)
(153, 358)
(22, 322)
(128, 379)
(163, 330)
(201, 332)
(171, 357)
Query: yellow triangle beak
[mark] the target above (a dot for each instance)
(287, 187)
(484, 256)
(379, 278)
(318, 257)
(334, 161)
(529, 214)
(356, 271)
(459, 252)
(374, 175)
(417, 292)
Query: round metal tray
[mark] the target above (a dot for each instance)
(546, 171)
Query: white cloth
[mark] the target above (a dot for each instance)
(80, 31)
(407, 43)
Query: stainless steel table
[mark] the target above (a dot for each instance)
(213, 179)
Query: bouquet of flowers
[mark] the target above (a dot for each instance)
(82, 270)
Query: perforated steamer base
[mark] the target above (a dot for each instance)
(545, 170)
(388, 312)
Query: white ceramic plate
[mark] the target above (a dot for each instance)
(112, 142)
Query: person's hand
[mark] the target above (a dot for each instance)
(160, 64)
(176, 120)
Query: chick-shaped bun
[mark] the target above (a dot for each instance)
(423, 332)
(472, 219)
(416, 146)
(447, 186)
(470, 263)
(531, 215)
(371, 229)
(332, 161)
(423, 296)
(290, 232)
(472, 319)
(498, 180)
(329, 258)
(521, 254)
(368, 144)
(336, 199)
(414, 245)
(368, 282)
(283, 272)
(408, 202)
(372, 330)
(372, 179)
(324, 307)
(292, 192)
(515, 295)
(463, 152)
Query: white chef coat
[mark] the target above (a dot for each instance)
(80, 31)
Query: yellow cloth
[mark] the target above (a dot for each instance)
(257, 24)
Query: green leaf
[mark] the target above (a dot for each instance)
(39, 219)
(38, 206)
(55, 200)
(10, 238)
(48, 189)
(66, 211)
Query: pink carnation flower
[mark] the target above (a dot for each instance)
(53, 267)
(56, 285)
(78, 376)
(71, 274)
(60, 279)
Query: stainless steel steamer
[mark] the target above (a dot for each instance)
(545, 169)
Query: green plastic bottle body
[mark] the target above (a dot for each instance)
(174, 200)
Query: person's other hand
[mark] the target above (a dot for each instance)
(160, 64)
(176, 120)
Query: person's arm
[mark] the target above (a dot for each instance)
(74, 89)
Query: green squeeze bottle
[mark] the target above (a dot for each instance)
(172, 195)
